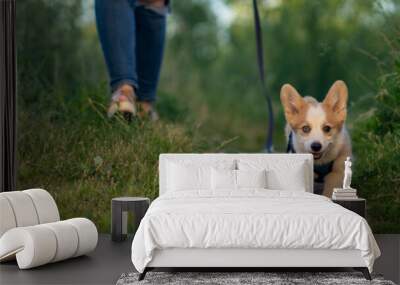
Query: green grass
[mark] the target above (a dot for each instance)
(84, 159)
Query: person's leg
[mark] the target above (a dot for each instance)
(117, 31)
(116, 28)
(150, 35)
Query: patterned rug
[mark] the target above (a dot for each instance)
(243, 278)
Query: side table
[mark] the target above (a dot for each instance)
(358, 205)
(120, 207)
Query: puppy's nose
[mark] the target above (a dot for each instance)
(316, 146)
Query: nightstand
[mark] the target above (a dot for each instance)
(358, 205)
(119, 214)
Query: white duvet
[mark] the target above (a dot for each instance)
(250, 219)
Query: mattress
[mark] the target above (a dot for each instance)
(251, 219)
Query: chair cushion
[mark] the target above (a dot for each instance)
(7, 220)
(31, 232)
(45, 205)
(26, 208)
(40, 244)
(32, 246)
(87, 233)
(67, 240)
(23, 208)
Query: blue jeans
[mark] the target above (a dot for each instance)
(132, 38)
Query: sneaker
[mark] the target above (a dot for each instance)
(123, 100)
(146, 110)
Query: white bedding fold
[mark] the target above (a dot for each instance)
(250, 219)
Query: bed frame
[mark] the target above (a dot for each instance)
(247, 259)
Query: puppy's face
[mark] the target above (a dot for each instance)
(315, 125)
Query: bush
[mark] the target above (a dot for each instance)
(377, 150)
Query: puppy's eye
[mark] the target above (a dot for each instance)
(306, 129)
(326, 129)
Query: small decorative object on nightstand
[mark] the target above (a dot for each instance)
(347, 196)
(345, 193)
(357, 205)
(119, 212)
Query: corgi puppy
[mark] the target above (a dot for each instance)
(319, 128)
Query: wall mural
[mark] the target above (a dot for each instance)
(93, 118)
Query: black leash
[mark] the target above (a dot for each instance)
(290, 147)
(261, 70)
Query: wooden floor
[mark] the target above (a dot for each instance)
(110, 260)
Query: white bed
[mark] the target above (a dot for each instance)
(248, 227)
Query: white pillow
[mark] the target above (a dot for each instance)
(223, 179)
(291, 180)
(188, 177)
(251, 178)
(281, 174)
(227, 179)
(193, 174)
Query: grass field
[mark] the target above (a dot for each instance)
(84, 159)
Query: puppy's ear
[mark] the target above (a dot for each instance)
(292, 102)
(336, 100)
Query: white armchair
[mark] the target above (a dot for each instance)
(31, 230)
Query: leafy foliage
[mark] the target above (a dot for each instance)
(209, 95)
(377, 147)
